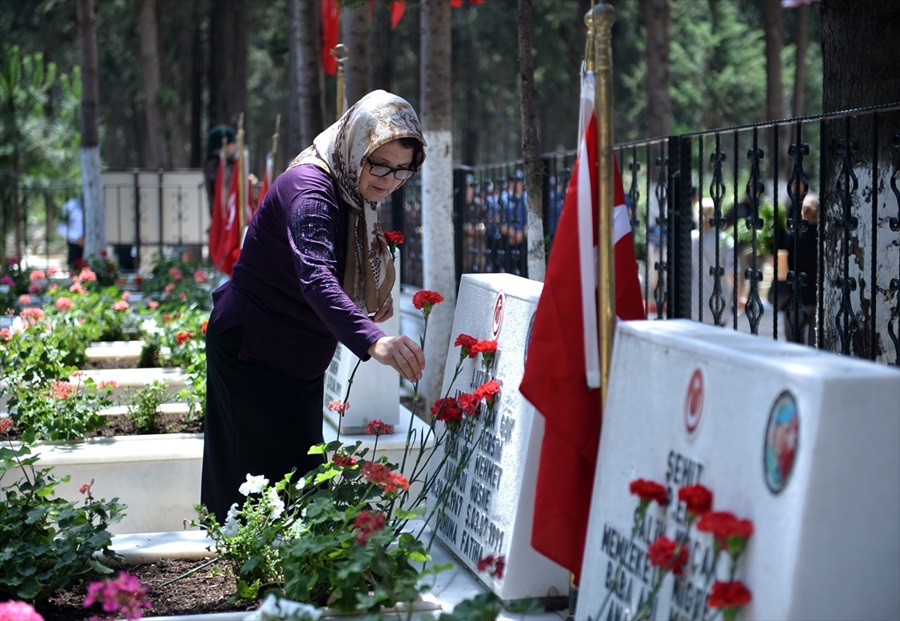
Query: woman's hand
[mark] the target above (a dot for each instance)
(400, 353)
(386, 311)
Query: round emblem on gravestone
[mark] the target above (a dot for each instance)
(497, 320)
(693, 402)
(782, 437)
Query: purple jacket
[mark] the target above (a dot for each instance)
(286, 287)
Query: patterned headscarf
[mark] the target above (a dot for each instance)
(341, 150)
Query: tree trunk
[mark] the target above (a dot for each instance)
(229, 48)
(657, 17)
(307, 97)
(94, 211)
(859, 53)
(800, 71)
(531, 146)
(156, 145)
(773, 26)
(198, 145)
(356, 31)
(437, 187)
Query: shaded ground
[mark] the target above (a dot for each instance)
(206, 590)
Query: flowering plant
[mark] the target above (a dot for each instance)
(394, 239)
(47, 542)
(341, 534)
(729, 534)
(122, 596)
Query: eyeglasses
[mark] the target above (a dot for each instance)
(378, 170)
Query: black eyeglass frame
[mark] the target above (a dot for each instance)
(389, 170)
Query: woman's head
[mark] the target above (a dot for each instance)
(381, 129)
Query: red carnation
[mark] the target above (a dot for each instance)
(649, 491)
(729, 595)
(395, 238)
(425, 300)
(466, 343)
(668, 554)
(697, 498)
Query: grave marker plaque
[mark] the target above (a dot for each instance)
(490, 508)
(804, 444)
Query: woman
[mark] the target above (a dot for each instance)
(314, 270)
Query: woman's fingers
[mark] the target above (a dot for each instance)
(401, 354)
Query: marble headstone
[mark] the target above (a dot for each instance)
(375, 392)
(804, 444)
(489, 509)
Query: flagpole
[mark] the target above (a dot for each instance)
(598, 59)
(341, 54)
(242, 176)
(275, 146)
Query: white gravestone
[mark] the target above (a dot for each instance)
(804, 444)
(375, 392)
(490, 510)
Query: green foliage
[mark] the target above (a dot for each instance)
(144, 404)
(173, 284)
(47, 542)
(176, 340)
(765, 237)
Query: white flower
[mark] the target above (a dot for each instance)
(276, 502)
(253, 485)
(231, 526)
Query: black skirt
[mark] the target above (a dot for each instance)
(258, 421)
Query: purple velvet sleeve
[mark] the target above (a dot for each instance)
(315, 226)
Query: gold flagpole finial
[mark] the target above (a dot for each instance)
(341, 54)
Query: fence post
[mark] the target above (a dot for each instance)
(459, 218)
(680, 223)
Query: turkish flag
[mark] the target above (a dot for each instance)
(331, 30)
(561, 377)
(227, 246)
(398, 8)
(219, 207)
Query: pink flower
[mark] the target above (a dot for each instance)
(176, 274)
(152, 304)
(64, 303)
(6, 424)
(86, 275)
(34, 288)
(18, 611)
(384, 477)
(24, 299)
(169, 289)
(7, 280)
(120, 305)
(37, 275)
(62, 390)
(124, 596)
(5, 334)
(338, 406)
(367, 523)
(200, 277)
(126, 295)
(378, 427)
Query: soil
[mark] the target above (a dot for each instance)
(207, 590)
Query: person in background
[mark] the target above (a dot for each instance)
(706, 235)
(803, 259)
(71, 226)
(217, 135)
(315, 269)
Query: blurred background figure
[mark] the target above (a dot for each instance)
(802, 258)
(71, 226)
(705, 242)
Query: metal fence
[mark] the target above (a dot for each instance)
(720, 228)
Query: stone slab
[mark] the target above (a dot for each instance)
(491, 508)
